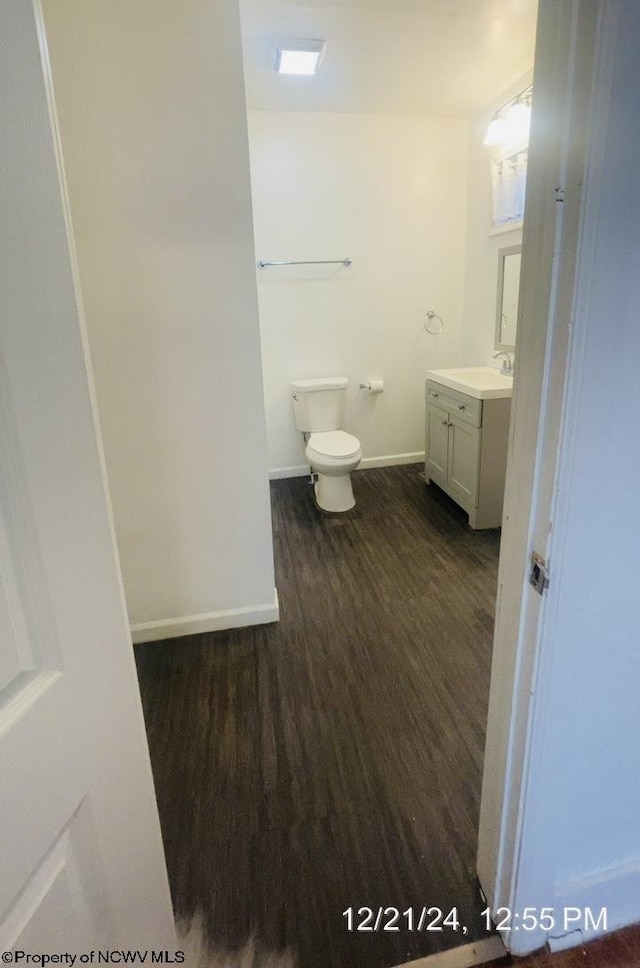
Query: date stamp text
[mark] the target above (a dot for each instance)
(395, 919)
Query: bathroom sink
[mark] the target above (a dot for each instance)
(481, 382)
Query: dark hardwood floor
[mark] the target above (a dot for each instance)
(333, 760)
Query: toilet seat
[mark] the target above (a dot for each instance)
(337, 444)
(332, 455)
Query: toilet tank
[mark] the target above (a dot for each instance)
(319, 404)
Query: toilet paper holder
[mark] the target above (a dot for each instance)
(373, 386)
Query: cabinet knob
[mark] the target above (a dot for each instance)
(461, 406)
(435, 395)
(445, 423)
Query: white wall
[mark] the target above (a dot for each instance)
(481, 275)
(152, 114)
(389, 192)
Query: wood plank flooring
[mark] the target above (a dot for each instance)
(333, 760)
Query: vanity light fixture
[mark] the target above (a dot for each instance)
(518, 122)
(496, 132)
(299, 56)
(510, 125)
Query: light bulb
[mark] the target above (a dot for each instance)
(497, 132)
(518, 120)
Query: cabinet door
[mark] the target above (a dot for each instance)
(463, 462)
(437, 445)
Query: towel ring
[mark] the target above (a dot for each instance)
(431, 315)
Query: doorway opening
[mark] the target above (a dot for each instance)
(353, 784)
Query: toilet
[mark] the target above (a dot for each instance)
(319, 408)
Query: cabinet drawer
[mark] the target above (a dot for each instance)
(460, 404)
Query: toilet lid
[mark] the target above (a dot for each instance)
(334, 443)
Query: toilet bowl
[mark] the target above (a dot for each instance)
(319, 409)
(333, 454)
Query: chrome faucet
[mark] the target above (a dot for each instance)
(507, 363)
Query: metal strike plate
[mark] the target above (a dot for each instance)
(538, 573)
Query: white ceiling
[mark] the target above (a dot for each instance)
(432, 57)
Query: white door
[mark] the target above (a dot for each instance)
(81, 859)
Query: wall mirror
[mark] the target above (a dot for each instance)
(507, 298)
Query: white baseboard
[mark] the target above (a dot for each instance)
(465, 956)
(387, 460)
(391, 460)
(231, 618)
(299, 470)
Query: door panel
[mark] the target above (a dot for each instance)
(27, 632)
(437, 444)
(62, 905)
(11, 663)
(464, 455)
(81, 855)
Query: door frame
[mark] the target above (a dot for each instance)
(575, 59)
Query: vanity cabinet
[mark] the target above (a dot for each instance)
(466, 450)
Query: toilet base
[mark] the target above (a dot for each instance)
(334, 493)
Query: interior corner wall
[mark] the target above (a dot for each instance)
(390, 193)
(150, 100)
(481, 273)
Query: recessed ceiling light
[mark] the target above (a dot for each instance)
(299, 56)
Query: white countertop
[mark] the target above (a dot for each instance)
(481, 382)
